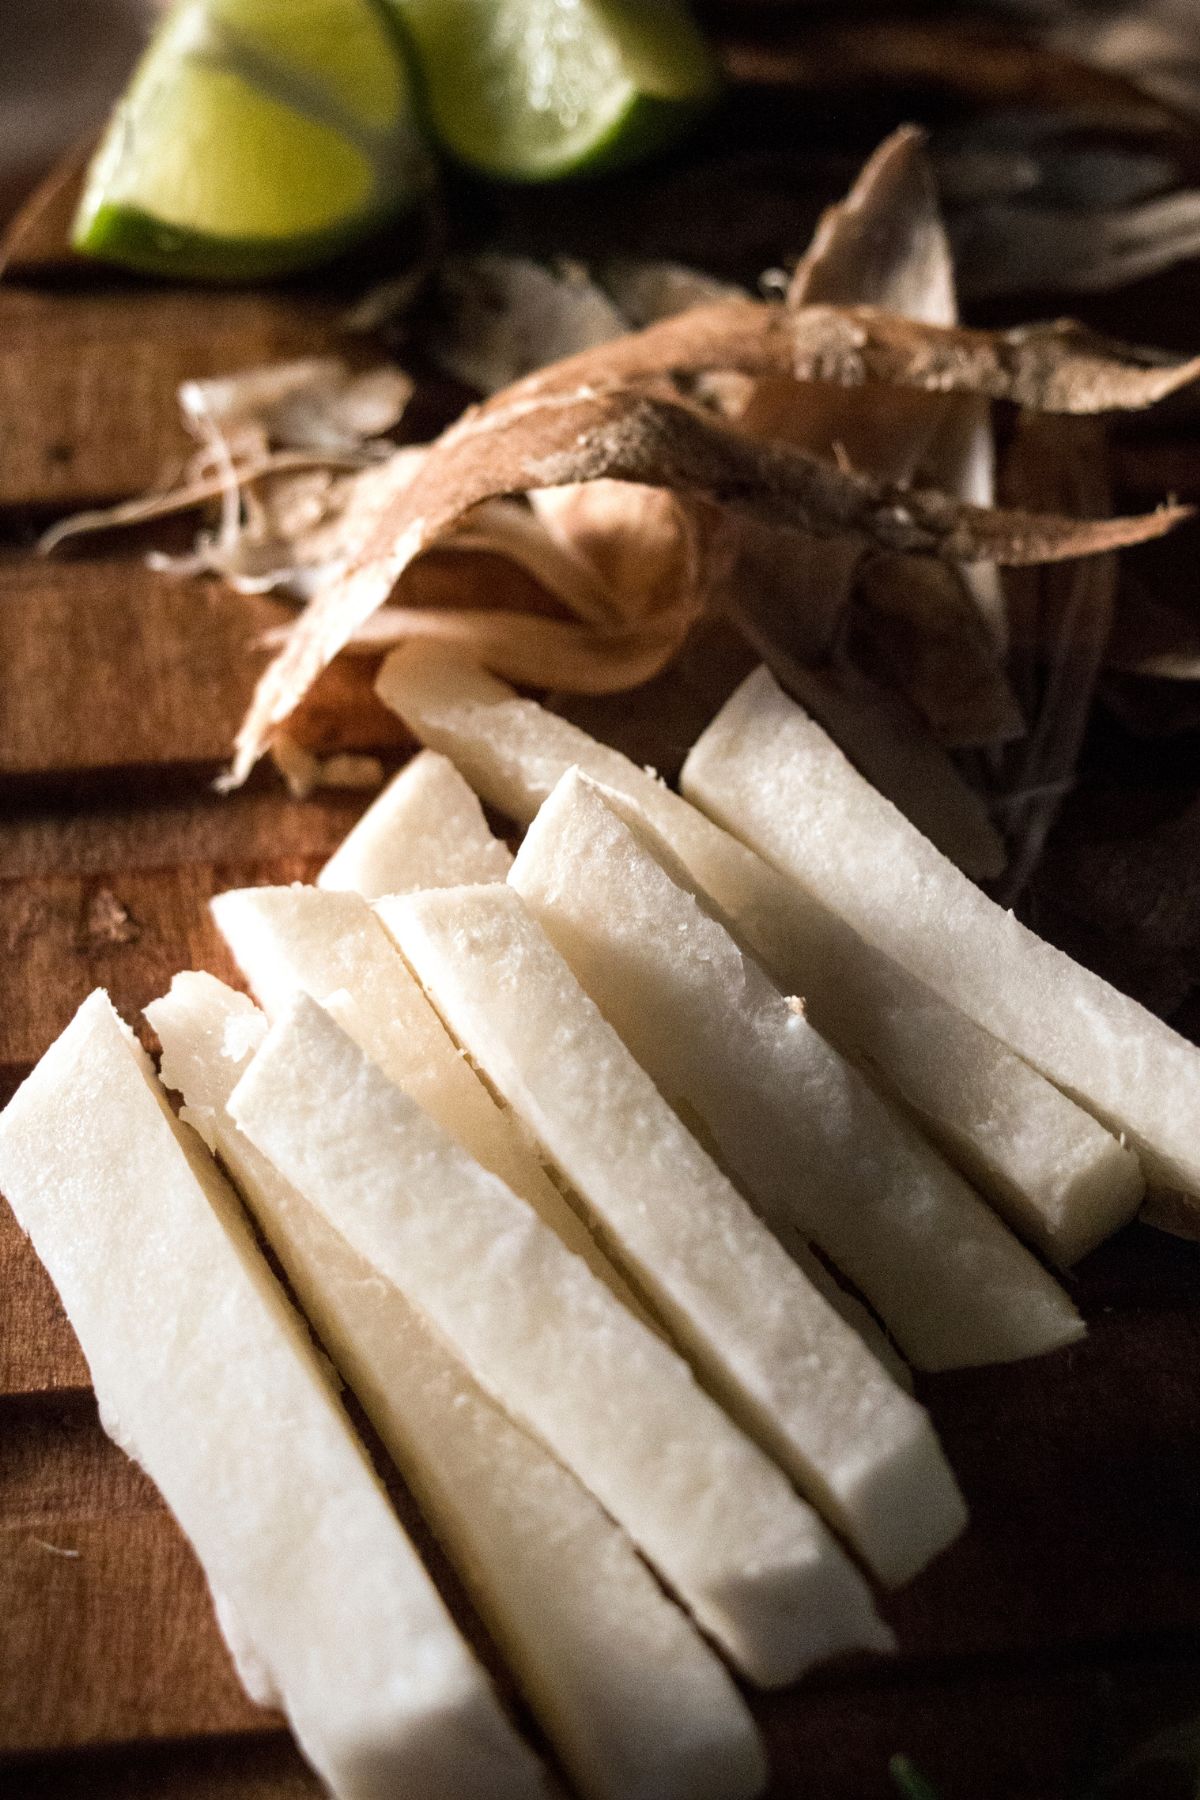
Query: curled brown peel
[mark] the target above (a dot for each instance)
(1054, 367)
(527, 444)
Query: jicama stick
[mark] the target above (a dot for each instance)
(769, 773)
(759, 1334)
(801, 1130)
(551, 1344)
(632, 1700)
(206, 1377)
(302, 940)
(426, 829)
(1056, 1175)
(441, 861)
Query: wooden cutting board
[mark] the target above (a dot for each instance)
(1063, 1630)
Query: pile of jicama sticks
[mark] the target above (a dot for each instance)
(818, 470)
(622, 1183)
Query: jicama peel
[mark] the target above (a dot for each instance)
(636, 1705)
(781, 1359)
(549, 1342)
(773, 776)
(1057, 1176)
(305, 940)
(523, 442)
(1055, 367)
(426, 829)
(801, 1130)
(206, 1376)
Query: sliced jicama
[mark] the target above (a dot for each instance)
(634, 1702)
(290, 940)
(799, 1127)
(465, 851)
(549, 1342)
(206, 1376)
(768, 772)
(783, 1361)
(426, 829)
(1058, 1176)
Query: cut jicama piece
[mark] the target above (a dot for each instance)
(800, 1129)
(768, 772)
(290, 940)
(761, 1336)
(854, 1312)
(634, 1702)
(551, 1344)
(206, 1376)
(425, 830)
(1058, 1176)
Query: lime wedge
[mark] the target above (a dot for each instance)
(256, 137)
(531, 90)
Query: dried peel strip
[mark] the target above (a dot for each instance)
(885, 242)
(885, 246)
(1054, 367)
(627, 436)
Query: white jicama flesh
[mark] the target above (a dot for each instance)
(799, 1127)
(765, 769)
(636, 1705)
(206, 1376)
(426, 829)
(549, 1342)
(760, 1335)
(1059, 1178)
(442, 862)
(290, 940)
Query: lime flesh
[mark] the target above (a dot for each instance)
(532, 90)
(257, 137)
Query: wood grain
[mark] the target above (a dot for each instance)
(115, 1615)
(88, 380)
(101, 1595)
(39, 1353)
(111, 667)
(68, 934)
(267, 1767)
(196, 826)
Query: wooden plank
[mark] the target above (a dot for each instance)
(107, 913)
(1037, 1734)
(245, 1768)
(101, 1594)
(107, 666)
(117, 1621)
(198, 826)
(61, 935)
(65, 935)
(88, 379)
(59, 1467)
(38, 1350)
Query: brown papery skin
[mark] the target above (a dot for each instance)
(527, 442)
(1054, 367)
